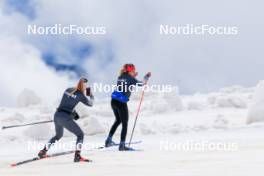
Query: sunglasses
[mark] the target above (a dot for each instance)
(85, 80)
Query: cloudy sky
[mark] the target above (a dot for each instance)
(199, 63)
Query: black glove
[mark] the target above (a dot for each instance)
(88, 91)
(75, 115)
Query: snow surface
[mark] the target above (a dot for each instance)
(218, 117)
(256, 110)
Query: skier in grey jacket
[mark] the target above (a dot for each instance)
(65, 116)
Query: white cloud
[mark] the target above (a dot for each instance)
(21, 67)
(195, 63)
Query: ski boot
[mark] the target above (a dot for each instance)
(43, 153)
(79, 158)
(109, 142)
(123, 147)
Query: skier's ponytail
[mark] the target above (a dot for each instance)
(80, 86)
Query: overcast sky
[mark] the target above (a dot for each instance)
(194, 63)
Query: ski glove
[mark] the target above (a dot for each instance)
(75, 115)
(88, 91)
(147, 76)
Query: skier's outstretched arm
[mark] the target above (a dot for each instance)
(88, 101)
(145, 80)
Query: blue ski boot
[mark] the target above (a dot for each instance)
(109, 142)
(123, 147)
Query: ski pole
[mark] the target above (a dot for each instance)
(139, 106)
(12, 126)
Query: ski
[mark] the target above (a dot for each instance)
(64, 153)
(117, 144)
(38, 158)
